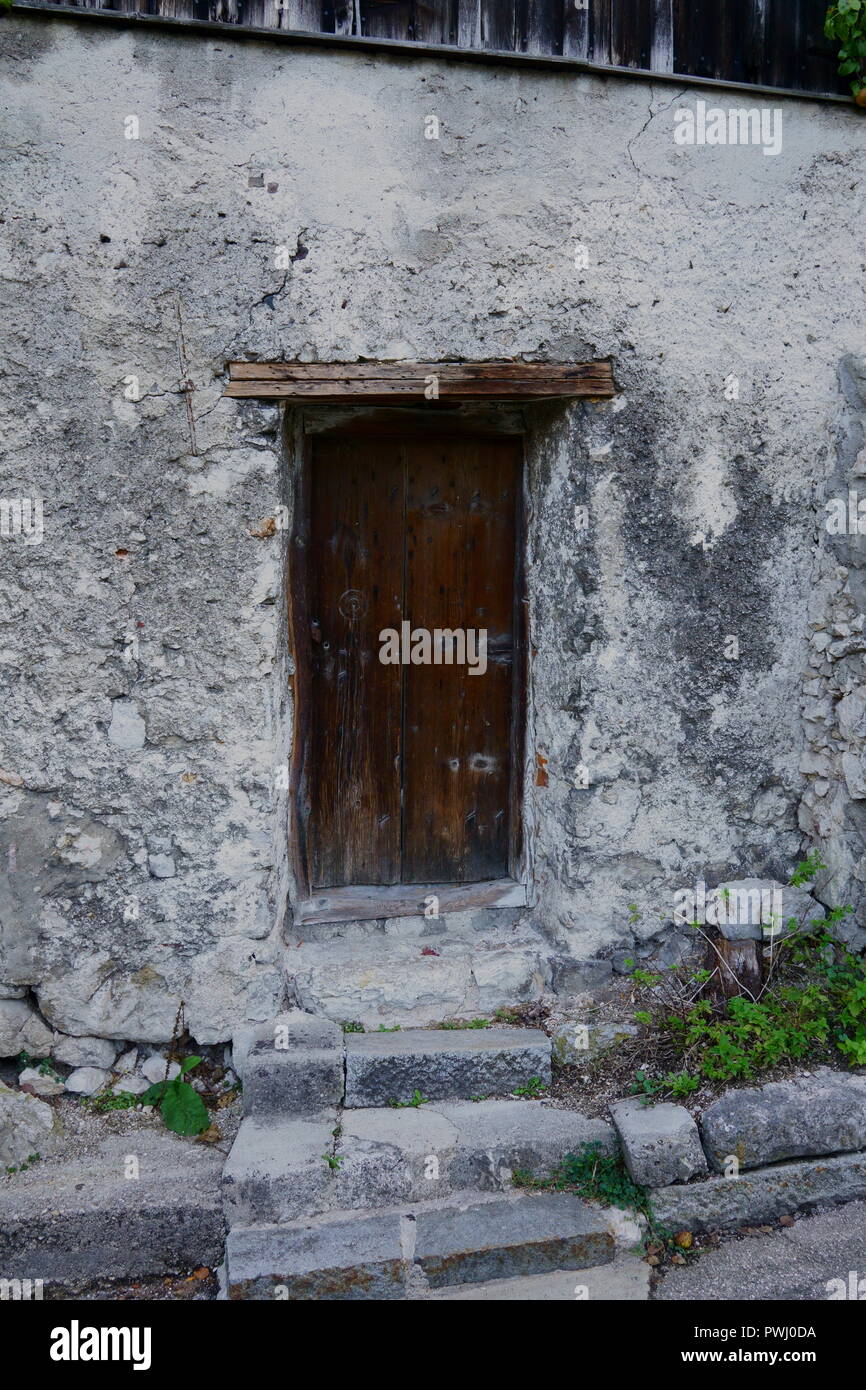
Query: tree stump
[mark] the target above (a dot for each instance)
(737, 968)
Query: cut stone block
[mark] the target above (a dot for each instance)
(292, 1066)
(442, 1064)
(292, 1029)
(624, 1281)
(660, 1143)
(469, 1238)
(820, 1114)
(495, 1138)
(277, 1171)
(390, 1156)
(332, 1259)
(448, 1147)
(762, 1195)
(510, 1236)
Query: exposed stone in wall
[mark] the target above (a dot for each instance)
(833, 808)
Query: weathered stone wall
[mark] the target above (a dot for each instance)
(143, 664)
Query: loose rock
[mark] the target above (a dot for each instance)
(27, 1126)
(86, 1081)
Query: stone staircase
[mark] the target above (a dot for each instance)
(341, 1186)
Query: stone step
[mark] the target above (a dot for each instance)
(277, 1169)
(626, 1280)
(443, 1064)
(384, 1255)
(760, 1195)
(291, 1066)
(75, 1218)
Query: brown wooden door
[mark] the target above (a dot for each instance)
(410, 769)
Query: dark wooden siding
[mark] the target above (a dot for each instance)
(775, 43)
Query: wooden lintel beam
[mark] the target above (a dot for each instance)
(381, 382)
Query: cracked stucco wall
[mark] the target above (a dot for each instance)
(284, 203)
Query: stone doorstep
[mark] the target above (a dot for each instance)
(354, 1255)
(762, 1194)
(276, 1170)
(443, 1064)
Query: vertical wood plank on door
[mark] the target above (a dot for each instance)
(260, 14)
(730, 23)
(355, 590)
(817, 68)
(460, 525)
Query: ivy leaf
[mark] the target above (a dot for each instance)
(183, 1109)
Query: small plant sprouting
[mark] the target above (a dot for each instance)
(461, 1023)
(352, 1026)
(333, 1161)
(108, 1100)
(676, 1084)
(807, 869)
(532, 1090)
(22, 1167)
(413, 1104)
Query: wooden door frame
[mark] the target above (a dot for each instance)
(367, 901)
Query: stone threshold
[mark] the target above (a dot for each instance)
(366, 902)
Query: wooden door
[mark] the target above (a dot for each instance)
(410, 769)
